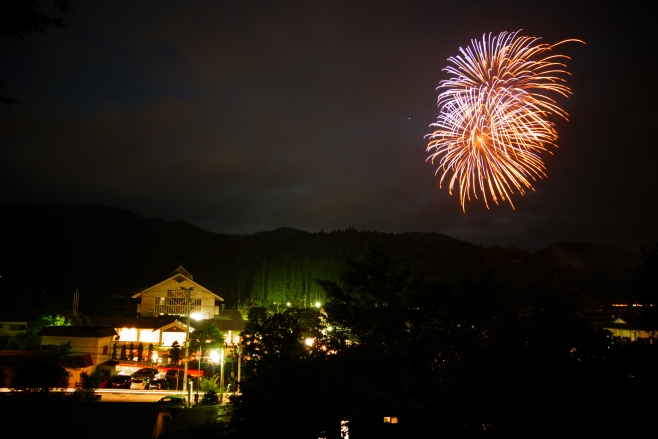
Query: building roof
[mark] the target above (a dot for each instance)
(230, 320)
(180, 270)
(18, 353)
(179, 275)
(230, 325)
(229, 314)
(78, 331)
(136, 322)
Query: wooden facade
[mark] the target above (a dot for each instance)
(168, 298)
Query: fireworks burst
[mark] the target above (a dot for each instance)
(494, 115)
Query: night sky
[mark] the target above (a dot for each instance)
(241, 117)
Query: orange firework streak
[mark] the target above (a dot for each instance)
(494, 116)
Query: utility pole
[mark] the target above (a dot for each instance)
(239, 361)
(221, 377)
(188, 294)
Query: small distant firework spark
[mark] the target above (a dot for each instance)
(494, 114)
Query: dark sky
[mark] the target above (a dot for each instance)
(246, 116)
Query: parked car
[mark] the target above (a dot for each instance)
(175, 377)
(140, 384)
(161, 384)
(151, 373)
(173, 403)
(120, 381)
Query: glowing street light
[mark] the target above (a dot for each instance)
(317, 304)
(214, 357)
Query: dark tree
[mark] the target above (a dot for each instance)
(450, 360)
(25, 17)
(124, 355)
(140, 352)
(45, 372)
(174, 352)
(40, 376)
(206, 336)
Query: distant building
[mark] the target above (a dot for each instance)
(160, 331)
(167, 298)
(231, 323)
(632, 328)
(11, 328)
(94, 341)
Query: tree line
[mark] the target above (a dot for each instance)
(392, 355)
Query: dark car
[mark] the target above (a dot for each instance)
(161, 384)
(151, 373)
(173, 403)
(120, 381)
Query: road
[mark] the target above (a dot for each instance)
(126, 395)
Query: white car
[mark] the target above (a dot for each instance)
(140, 384)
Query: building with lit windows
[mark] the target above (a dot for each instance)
(168, 298)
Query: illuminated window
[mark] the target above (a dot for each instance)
(390, 420)
(169, 337)
(128, 334)
(149, 336)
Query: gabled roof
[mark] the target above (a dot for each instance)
(631, 322)
(179, 275)
(230, 320)
(180, 270)
(230, 325)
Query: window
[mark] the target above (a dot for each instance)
(149, 336)
(17, 327)
(128, 334)
(104, 350)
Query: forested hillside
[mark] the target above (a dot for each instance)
(106, 252)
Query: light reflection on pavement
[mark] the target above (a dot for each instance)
(126, 395)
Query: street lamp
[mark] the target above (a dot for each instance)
(214, 357)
